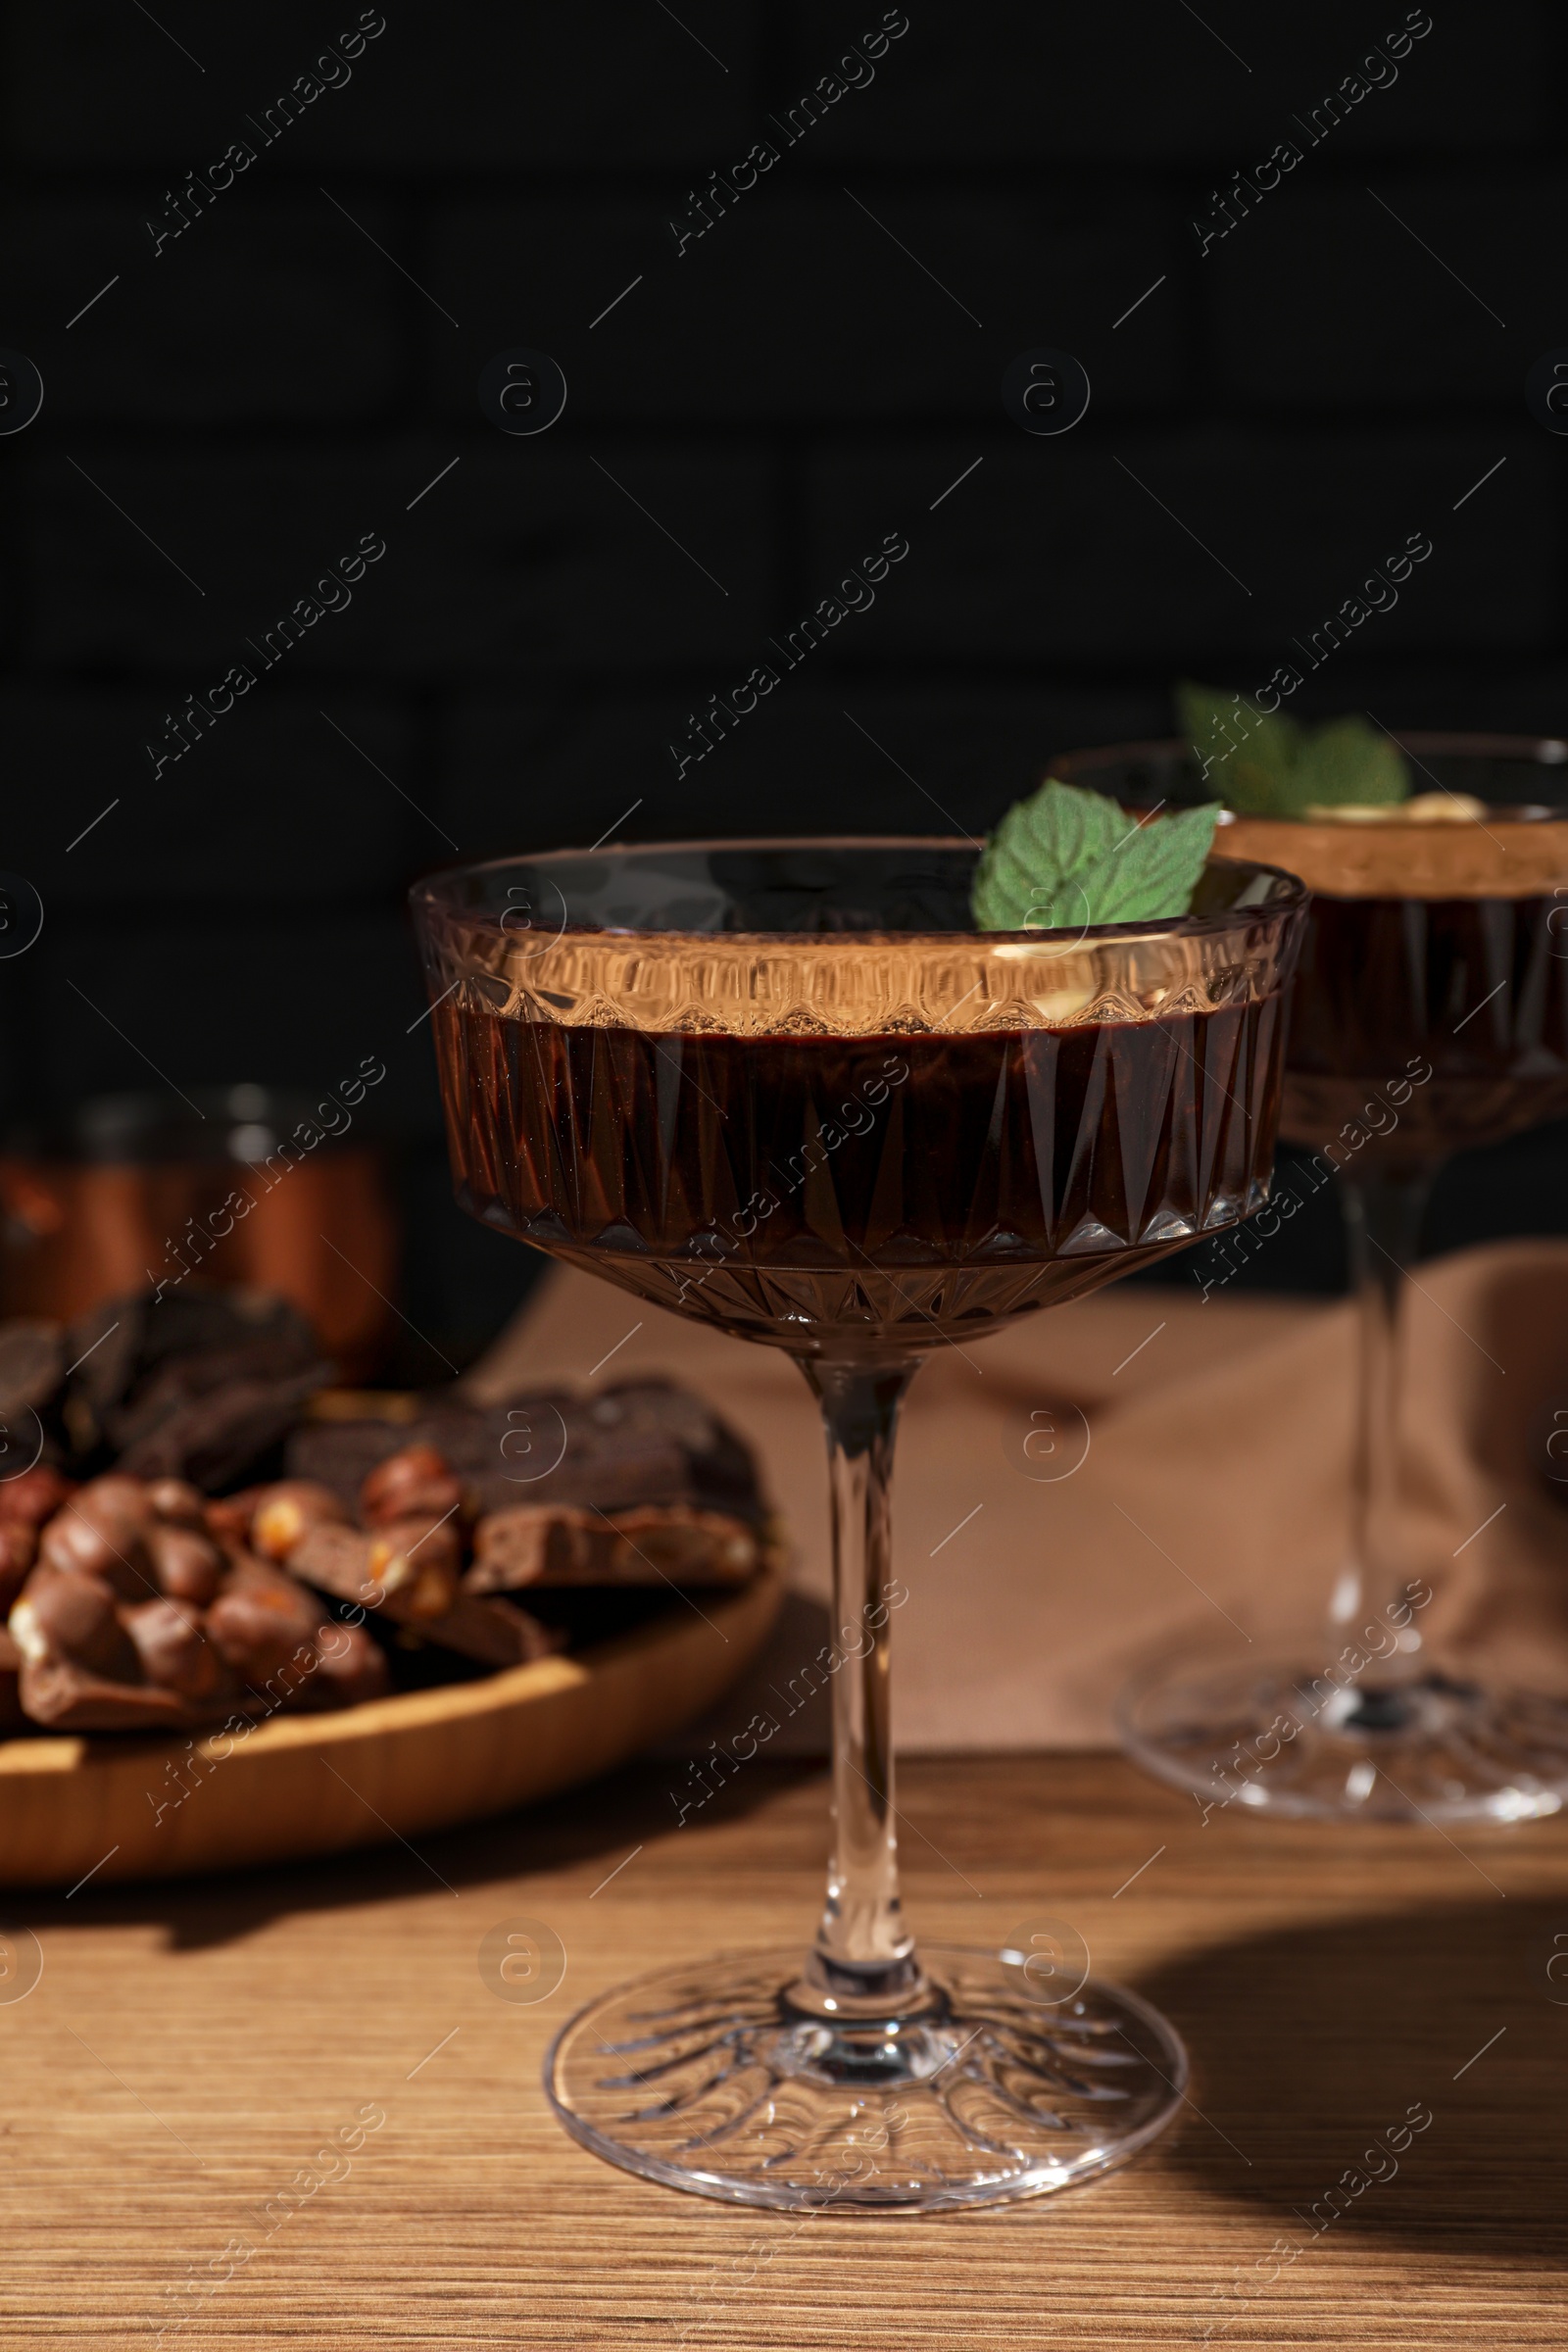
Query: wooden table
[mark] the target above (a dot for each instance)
(189, 2049)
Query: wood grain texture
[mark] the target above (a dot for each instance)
(119, 1807)
(189, 2049)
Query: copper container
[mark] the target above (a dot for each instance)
(252, 1185)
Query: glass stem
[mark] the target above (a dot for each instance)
(1383, 1211)
(865, 1950)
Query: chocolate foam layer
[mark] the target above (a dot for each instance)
(1504, 855)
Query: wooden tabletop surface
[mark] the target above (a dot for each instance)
(189, 2052)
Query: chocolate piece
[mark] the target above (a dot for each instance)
(415, 1483)
(494, 1632)
(540, 1545)
(187, 1565)
(124, 1344)
(82, 1668)
(73, 1613)
(646, 1442)
(93, 1660)
(215, 1437)
(174, 1653)
(102, 1532)
(262, 1622)
(19, 1548)
(175, 1500)
(197, 1384)
(36, 1496)
(408, 1574)
(227, 1517)
(105, 1347)
(118, 1529)
(420, 1560)
(272, 1633)
(33, 1364)
(284, 1512)
(387, 1571)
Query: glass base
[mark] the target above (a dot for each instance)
(1277, 1735)
(729, 2078)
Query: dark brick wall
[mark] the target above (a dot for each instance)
(811, 375)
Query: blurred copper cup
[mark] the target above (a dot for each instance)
(128, 1190)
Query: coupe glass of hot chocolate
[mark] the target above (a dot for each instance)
(786, 1088)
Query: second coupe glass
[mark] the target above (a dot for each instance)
(1429, 1015)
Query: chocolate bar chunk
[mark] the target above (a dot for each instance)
(25, 1505)
(279, 1515)
(33, 1364)
(196, 1384)
(539, 1544)
(262, 1622)
(32, 1368)
(91, 1663)
(19, 1548)
(133, 1620)
(415, 1483)
(82, 1669)
(187, 1564)
(123, 1345)
(645, 1442)
(102, 1532)
(176, 1654)
(213, 1437)
(379, 1569)
(36, 1496)
(492, 1632)
(410, 1573)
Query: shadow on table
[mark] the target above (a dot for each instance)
(1312, 2046)
(601, 1822)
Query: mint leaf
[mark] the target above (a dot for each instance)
(1064, 859)
(1347, 762)
(1264, 763)
(1246, 755)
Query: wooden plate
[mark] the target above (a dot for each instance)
(120, 1808)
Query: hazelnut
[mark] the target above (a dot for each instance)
(172, 1651)
(261, 1622)
(36, 1496)
(65, 1617)
(113, 1495)
(178, 1501)
(187, 1566)
(227, 1517)
(283, 1513)
(417, 1483)
(93, 1535)
(416, 1563)
(19, 1548)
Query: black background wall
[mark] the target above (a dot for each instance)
(746, 417)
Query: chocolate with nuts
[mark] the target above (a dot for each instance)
(410, 1573)
(142, 1601)
(641, 1441)
(415, 1483)
(534, 1544)
(136, 1617)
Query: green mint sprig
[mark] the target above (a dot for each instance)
(1264, 763)
(1064, 859)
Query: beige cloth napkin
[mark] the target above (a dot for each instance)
(1104, 1480)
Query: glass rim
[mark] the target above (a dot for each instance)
(437, 890)
(1528, 751)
